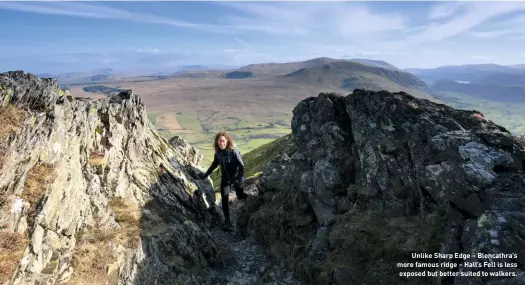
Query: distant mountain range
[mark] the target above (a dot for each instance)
(487, 81)
(462, 72)
(493, 82)
(104, 74)
(520, 66)
(332, 74)
(109, 74)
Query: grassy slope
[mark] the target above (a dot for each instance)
(508, 115)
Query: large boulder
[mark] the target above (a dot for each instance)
(379, 176)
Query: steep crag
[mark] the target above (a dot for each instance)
(91, 194)
(378, 176)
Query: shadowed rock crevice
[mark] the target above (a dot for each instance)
(176, 247)
(417, 177)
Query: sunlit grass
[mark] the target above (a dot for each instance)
(508, 115)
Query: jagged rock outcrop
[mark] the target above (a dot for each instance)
(91, 194)
(378, 176)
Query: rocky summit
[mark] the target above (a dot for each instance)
(377, 177)
(91, 194)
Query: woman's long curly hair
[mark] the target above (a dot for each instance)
(229, 141)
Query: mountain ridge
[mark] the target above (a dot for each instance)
(352, 75)
(101, 216)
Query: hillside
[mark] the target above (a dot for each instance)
(518, 66)
(497, 90)
(98, 75)
(376, 63)
(510, 115)
(505, 104)
(491, 92)
(350, 75)
(486, 74)
(277, 69)
(469, 72)
(503, 79)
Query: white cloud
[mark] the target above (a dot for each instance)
(482, 57)
(245, 44)
(103, 12)
(371, 52)
(444, 10)
(513, 27)
(232, 50)
(358, 20)
(272, 18)
(307, 19)
(475, 14)
(278, 12)
(150, 50)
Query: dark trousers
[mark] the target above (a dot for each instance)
(225, 193)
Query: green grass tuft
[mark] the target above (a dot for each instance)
(99, 129)
(163, 148)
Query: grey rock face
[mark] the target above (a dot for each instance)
(376, 169)
(93, 195)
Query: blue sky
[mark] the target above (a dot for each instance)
(58, 37)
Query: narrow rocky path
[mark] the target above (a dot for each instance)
(245, 261)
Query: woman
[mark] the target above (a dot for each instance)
(232, 171)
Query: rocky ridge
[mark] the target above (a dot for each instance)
(378, 176)
(91, 194)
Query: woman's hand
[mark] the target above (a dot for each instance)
(240, 181)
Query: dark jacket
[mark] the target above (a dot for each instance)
(230, 161)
